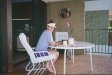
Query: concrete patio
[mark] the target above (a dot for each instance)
(81, 65)
(101, 65)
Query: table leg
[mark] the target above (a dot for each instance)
(65, 61)
(73, 55)
(91, 60)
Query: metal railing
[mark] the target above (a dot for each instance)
(102, 38)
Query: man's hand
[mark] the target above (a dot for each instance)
(52, 43)
(58, 43)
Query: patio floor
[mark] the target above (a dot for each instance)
(81, 65)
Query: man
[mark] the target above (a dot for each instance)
(46, 40)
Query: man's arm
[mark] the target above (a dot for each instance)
(52, 43)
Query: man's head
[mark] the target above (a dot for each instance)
(51, 25)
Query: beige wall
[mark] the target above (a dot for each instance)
(76, 19)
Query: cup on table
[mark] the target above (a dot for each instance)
(65, 43)
(71, 41)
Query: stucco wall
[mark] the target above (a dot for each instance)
(76, 19)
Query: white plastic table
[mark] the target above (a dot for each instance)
(77, 45)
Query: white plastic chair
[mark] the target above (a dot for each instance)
(38, 59)
(59, 36)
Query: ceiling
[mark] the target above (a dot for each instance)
(54, 0)
(44, 0)
(60, 0)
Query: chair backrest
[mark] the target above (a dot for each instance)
(61, 36)
(26, 45)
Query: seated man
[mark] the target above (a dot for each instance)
(45, 40)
